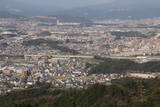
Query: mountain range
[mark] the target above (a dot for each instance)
(117, 9)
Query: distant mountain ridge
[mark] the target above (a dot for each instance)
(4, 13)
(8, 14)
(118, 10)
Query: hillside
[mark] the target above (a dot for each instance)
(125, 92)
(50, 43)
(123, 66)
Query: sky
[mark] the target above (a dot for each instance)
(56, 3)
(65, 4)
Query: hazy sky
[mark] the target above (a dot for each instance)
(57, 3)
(70, 3)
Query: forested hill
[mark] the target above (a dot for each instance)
(122, 93)
(123, 66)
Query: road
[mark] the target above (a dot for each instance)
(90, 57)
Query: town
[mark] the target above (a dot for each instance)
(45, 49)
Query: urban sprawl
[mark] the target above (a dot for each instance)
(40, 49)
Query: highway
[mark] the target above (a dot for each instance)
(62, 56)
(90, 57)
